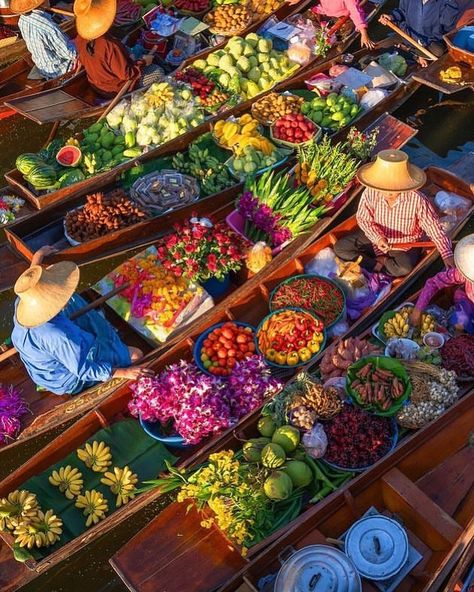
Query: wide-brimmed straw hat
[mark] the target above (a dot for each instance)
(391, 172)
(24, 6)
(44, 292)
(94, 17)
(464, 257)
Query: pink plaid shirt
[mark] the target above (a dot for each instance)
(337, 8)
(408, 220)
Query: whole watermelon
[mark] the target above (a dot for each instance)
(42, 176)
(71, 177)
(25, 162)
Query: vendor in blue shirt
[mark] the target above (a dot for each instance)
(426, 21)
(61, 355)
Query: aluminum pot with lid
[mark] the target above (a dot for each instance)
(378, 547)
(317, 568)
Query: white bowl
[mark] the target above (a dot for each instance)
(436, 336)
(410, 348)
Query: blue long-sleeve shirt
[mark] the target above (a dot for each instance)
(57, 355)
(52, 52)
(426, 22)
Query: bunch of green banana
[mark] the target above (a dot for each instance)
(68, 480)
(398, 325)
(89, 162)
(95, 456)
(428, 324)
(44, 530)
(122, 484)
(94, 504)
(18, 506)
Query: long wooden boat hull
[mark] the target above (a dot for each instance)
(51, 411)
(248, 305)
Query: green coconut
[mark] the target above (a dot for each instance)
(278, 486)
(299, 473)
(287, 437)
(266, 426)
(252, 449)
(273, 456)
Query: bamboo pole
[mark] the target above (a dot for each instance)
(418, 46)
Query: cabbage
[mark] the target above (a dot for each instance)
(139, 106)
(144, 135)
(114, 118)
(129, 123)
(151, 118)
(394, 62)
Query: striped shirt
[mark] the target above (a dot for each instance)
(409, 219)
(52, 52)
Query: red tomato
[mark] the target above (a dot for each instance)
(251, 347)
(243, 347)
(228, 333)
(241, 338)
(222, 362)
(231, 362)
(248, 330)
(207, 343)
(214, 358)
(248, 354)
(212, 337)
(231, 352)
(239, 355)
(221, 353)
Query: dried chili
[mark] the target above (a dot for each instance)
(457, 354)
(319, 295)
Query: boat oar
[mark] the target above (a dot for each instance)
(61, 11)
(427, 52)
(91, 306)
(117, 98)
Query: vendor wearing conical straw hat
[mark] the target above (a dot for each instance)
(61, 355)
(105, 59)
(393, 211)
(51, 51)
(461, 276)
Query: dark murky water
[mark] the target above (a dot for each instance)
(445, 133)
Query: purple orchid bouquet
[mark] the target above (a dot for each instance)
(12, 408)
(196, 405)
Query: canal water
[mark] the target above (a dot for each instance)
(445, 133)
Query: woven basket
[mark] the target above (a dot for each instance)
(163, 191)
(227, 32)
(256, 115)
(293, 146)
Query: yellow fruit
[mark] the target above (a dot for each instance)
(18, 506)
(122, 483)
(94, 504)
(43, 531)
(95, 456)
(68, 480)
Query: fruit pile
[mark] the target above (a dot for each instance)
(199, 82)
(127, 13)
(290, 337)
(250, 160)
(262, 8)
(211, 175)
(399, 324)
(339, 356)
(458, 355)
(226, 345)
(294, 128)
(313, 402)
(191, 5)
(332, 112)
(270, 108)
(357, 439)
(375, 388)
(228, 18)
(247, 67)
(101, 215)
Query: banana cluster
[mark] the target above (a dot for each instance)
(94, 505)
(42, 531)
(241, 133)
(122, 484)
(19, 506)
(96, 456)
(428, 324)
(163, 94)
(398, 325)
(68, 480)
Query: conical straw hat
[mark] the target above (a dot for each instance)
(94, 17)
(391, 172)
(464, 257)
(24, 6)
(44, 293)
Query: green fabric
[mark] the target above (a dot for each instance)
(129, 445)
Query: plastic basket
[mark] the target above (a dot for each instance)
(155, 430)
(288, 366)
(237, 223)
(292, 145)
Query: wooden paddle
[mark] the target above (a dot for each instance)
(61, 11)
(117, 98)
(418, 46)
(85, 309)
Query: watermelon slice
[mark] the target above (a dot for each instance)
(69, 156)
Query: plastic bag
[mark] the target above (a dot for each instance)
(323, 264)
(299, 51)
(315, 442)
(451, 204)
(372, 98)
(322, 84)
(258, 256)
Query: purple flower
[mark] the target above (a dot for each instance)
(12, 408)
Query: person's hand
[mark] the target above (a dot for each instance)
(449, 262)
(292, 2)
(41, 253)
(383, 245)
(422, 61)
(365, 40)
(133, 372)
(415, 318)
(384, 19)
(148, 59)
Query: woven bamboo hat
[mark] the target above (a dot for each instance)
(94, 17)
(464, 257)
(390, 172)
(44, 292)
(24, 6)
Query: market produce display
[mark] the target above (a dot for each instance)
(224, 346)
(12, 408)
(10, 205)
(357, 439)
(247, 66)
(379, 384)
(310, 402)
(122, 483)
(325, 169)
(331, 112)
(94, 506)
(95, 456)
(195, 6)
(294, 128)
(128, 12)
(228, 19)
(290, 337)
(102, 214)
(264, 7)
(69, 156)
(239, 133)
(68, 480)
(394, 62)
(319, 295)
(457, 355)
(205, 89)
(274, 211)
(164, 191)
(250, 161)
(273, 106)
(342, 354)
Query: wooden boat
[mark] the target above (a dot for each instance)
(248, 305)
(50, 410)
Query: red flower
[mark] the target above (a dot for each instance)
(212, 262)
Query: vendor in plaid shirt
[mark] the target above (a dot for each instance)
(392, 211)
(51, 51)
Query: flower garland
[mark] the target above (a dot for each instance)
(12, 408)
(9, 206)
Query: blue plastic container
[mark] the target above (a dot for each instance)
(155, 431)
(215, 287)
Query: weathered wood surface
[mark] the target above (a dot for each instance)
(430, 76)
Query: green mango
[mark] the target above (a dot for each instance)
(95, 129)
(107, 156)
(107, 140)
(132, 152)
(130, 140)
(117, 150)
(91, 138)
